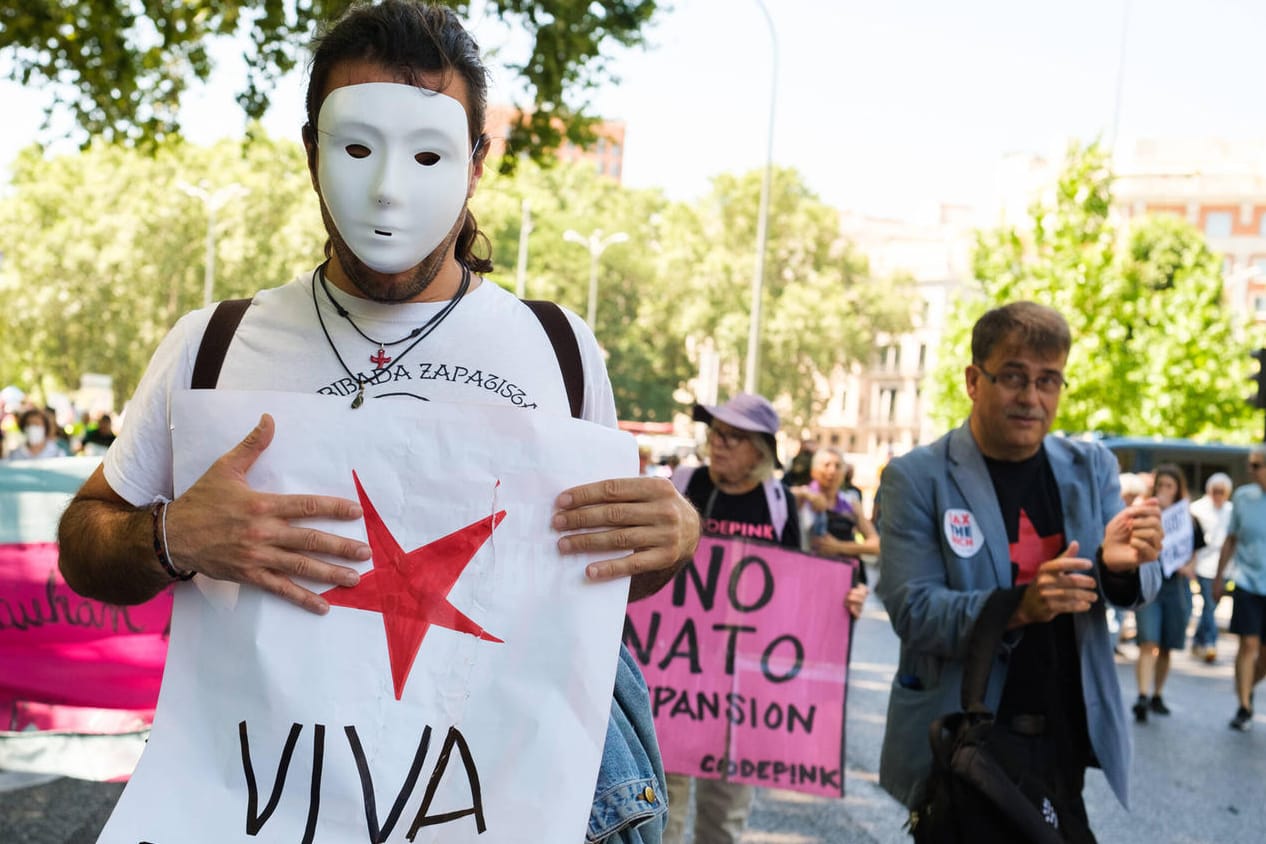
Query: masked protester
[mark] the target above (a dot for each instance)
(395, 147)
(38, 441)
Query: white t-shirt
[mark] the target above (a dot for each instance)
(1214, 522)
(491, 349)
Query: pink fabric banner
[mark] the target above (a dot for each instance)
(746, 656)
(68, 662)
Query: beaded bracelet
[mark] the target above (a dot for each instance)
(159, 513)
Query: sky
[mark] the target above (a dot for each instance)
(885, 108)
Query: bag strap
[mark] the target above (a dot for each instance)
(566, 349)
(776, 500)
(228, 314)
(986, 633)
(215, 342)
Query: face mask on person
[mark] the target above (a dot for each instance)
(393, 166)
(34, 434)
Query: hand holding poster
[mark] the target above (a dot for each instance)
(746, 656)
(471, 663)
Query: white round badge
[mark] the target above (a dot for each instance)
(962, 533)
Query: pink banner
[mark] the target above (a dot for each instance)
(746, 656)
(70, 663)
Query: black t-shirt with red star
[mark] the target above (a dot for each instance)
(1044, 668)
(741, 516)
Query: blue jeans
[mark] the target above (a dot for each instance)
(1206, 635)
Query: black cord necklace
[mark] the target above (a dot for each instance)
(421, 332)
(380, 358)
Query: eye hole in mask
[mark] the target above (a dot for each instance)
(357, 151)
(427, 159)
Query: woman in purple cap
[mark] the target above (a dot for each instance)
(737, 495)
(736, 491)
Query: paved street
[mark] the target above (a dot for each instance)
(1194, 779)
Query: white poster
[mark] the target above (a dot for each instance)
(459, 693)
(1176, 548)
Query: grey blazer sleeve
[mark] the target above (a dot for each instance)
(931, 595)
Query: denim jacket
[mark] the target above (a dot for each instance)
(629, 802)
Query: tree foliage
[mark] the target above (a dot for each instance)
(103, 251)
(1154, 350)
(120, 66)
(821, 310)
(646, 359)
(684, 278)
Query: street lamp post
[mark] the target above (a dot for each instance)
(212, 201)
(762, 222)
(596, 244)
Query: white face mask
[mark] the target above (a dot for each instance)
(34, 435)
(393, 166)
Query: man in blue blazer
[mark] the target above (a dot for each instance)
(999, 504)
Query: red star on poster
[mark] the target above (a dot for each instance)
(411, 590)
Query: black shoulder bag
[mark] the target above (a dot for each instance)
(986, 782)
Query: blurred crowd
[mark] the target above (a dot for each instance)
(32, 432)
(1161, 627)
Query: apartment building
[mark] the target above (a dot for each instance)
(606, 154)
(876, 410)
(1219, 186)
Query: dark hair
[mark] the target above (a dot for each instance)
(34, 412)
(1042, 329)
(410, 38)
(1171, 470)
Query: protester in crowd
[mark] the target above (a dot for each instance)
(851, 490)
(998, 504)
(737, 495)
(99, 437)
(831, 525)
(1246, 544)
(1162, 624)
(644, 461)
(797, 473)
(59, 433)
(1213, 512)
(385, 75)
(39, 441)
(875, 500)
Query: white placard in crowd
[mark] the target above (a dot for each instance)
(1177, 548)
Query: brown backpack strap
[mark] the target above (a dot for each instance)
(215, 342)
(566, 349)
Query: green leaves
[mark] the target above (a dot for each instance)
(1153, 347)
(682, 282)
(103, 251)
(121, 67)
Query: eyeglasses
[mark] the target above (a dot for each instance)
(729, 437)
(1049, 383)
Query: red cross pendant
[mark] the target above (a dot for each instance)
(379, 360)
